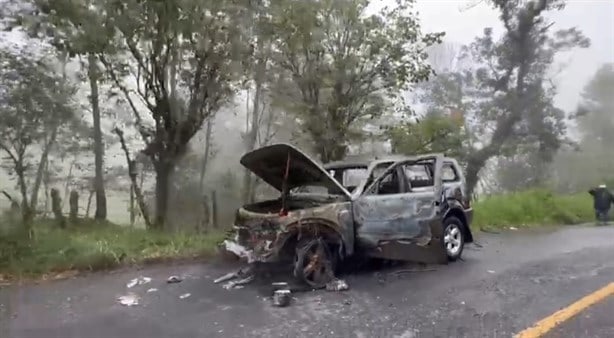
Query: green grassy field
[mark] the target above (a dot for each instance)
(94, 246)
(532, 208)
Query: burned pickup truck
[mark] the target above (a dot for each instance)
(402, 208)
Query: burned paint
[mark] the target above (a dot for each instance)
(407, 225)
(265, 235)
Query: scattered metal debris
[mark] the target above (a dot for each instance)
(513, 228)
(281, 298)
(246, 274)
(129, 299)
(174, 279)
(152, 290)
(226, 277)
(279, 286)
(413, 270)
(138, 281)
(337, 285)
(491, 271)
(233, 284)
(185, 295)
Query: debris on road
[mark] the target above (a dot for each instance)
(246, 274)
(233, 284)
(129, 299)
(281, 298)
(279, 286)
(185, 295)
(173, 279)
(337, 285)
(513, 228)
(138, 281)
(491, 271)
(152, 290)
(398, 272)
(226, 277)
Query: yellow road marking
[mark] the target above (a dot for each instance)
(543, 326)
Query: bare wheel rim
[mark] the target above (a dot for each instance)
(453, 239)
(314, 266)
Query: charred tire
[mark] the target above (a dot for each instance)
(314, 262)
(453, 238)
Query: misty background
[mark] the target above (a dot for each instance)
(571, 169)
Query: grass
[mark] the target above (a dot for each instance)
(91, 247)
(531, 208)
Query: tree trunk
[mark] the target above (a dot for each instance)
(132, 211)
(331, 151)
(101, 199)
(206, 154)
(89, 204)
(132, 174)
(26, 212)
(164, 171)
(40, 171)
(214, 215)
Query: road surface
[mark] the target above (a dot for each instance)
(502, 287)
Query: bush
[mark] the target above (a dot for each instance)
(531, 208)
(94, 246)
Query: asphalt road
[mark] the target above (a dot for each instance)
(501, 287)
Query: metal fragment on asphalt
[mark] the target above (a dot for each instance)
(129, 299)
(281, 298)
(138, 281)
(337, 285)
(233, 284)
(152, 290)
(226, 277)
(185, 295)
(173, 279)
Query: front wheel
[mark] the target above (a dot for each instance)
(453, 238)
(314, 262)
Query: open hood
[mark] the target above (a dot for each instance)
(270, 162)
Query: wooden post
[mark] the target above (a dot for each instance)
(214, 209)
(74, 206)
(56, 207)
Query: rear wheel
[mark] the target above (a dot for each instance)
(314, 262)
(453, 238)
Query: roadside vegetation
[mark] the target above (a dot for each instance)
(530, 208)
(93, 246)
(143, 108)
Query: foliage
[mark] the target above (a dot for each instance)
(343, 64)
(513, 93)
(538, 207)
(36, 106)
(433, 134)
(95, 246)
(590, 162)
(183, 57)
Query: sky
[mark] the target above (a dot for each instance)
(462, 20)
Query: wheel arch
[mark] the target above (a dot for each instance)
(458, 213)
(314, 227)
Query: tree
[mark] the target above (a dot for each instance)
(35, 106)
(74, 29)
(182, 56)
(595, 122)
(516, 102)
(343, 64)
